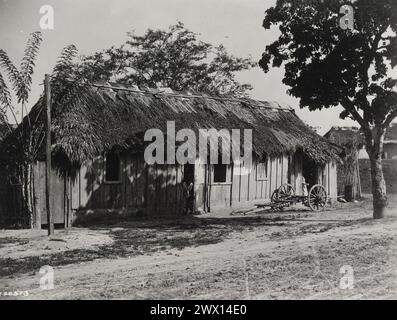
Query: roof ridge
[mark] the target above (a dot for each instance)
(167, 92)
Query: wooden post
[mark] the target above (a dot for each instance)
(50, 221)
(358, 175)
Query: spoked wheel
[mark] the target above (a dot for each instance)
(284, 192)
(273, 198)
(317, 197)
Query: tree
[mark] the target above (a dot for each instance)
(328, 66)
(175, 58)
(21, 81)
(28, 137)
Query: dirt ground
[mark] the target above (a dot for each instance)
(296, 254)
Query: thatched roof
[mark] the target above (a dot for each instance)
(348, 137)
(106, 116)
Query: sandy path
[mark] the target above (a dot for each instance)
(183, 273)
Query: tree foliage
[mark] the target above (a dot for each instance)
(66, 80)
(174, 58)
(327, 66)
(5, 99)
(21, 80)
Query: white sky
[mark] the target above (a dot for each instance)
(93, 25)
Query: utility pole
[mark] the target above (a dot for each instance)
(50, 221)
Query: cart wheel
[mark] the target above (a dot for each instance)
(273, 198)
(317, 197)
(284, 192)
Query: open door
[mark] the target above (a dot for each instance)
(309, 171)
(188, 185)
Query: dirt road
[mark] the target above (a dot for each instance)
(338, 253)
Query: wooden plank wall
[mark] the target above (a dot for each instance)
(297, 176)
(57, 201)
(200, 185)
(327, 176)
(332, 185)
(220, 192)
(245, 187)
(155, 189)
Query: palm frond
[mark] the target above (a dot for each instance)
(67, 83)
(5, 100)
(27, 64)
(65, 60)
(5, 95)
(13, 73)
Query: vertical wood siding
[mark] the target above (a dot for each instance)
(154, 189)
(157, 189)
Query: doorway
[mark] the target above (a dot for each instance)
(309, 171)
(188, 173)
(188, 185)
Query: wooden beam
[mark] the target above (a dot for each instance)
(231, 186)
(358, 176)
(50, 220)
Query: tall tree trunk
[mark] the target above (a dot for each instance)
(374, 148)
(378, 188)
(27, 193)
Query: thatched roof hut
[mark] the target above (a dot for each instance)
(348, 137)
(104, 119)
(352, 140)
(110, 115)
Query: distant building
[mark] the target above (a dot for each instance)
(355, 170)
(348, 172)
(390, 143)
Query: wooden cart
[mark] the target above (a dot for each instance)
(284, 196)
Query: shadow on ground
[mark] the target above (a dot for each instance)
(145, 236)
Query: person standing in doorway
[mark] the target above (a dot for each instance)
(188, 187)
